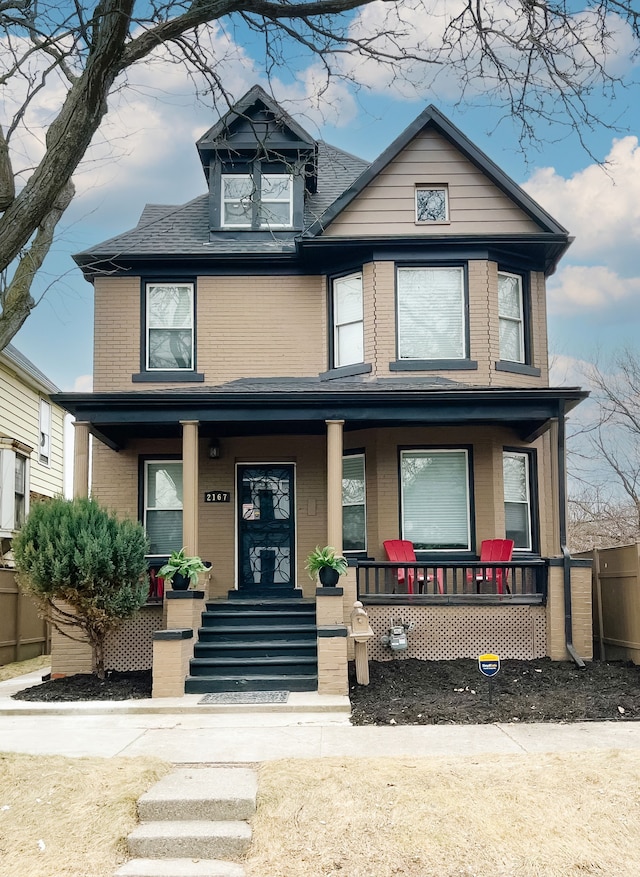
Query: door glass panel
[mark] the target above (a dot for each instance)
(265, 504)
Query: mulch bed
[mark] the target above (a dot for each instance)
(84, 686)
(412, 692)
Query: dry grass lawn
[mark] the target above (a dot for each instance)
(68, 817)
(10, 671)
(509, 816)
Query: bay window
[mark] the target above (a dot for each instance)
(435, 499)
(511, 317)
(354, 522)
(431, 313)
(517, 499)
(348, 325)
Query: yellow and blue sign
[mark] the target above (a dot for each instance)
(489, 664)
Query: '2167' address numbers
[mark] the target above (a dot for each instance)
(217, 496)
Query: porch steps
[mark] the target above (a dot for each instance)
(258, 644)
(194, 823)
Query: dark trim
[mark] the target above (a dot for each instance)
(517, 368)
(329, 592)
(332, 630)
(346, 371)
(176, 633)
(434, 552)
(159, 377)
(508, 267)
(424, 365)
(331, 278)
(534, 498)
(184, 595)
(431, 117)
(413, 600)
(580, 562)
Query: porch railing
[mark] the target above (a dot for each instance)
(452, 581)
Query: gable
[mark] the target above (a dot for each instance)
(386, 206)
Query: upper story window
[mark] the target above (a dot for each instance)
(163, 505)
(20, 491)
(44, 454)
(431, 313)
(348, 325)
(511, 316)
(257, 200)
(170, 327)
(432, 203)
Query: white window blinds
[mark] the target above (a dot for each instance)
(435, 499)
(431, 320)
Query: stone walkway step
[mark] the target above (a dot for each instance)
(194, 839)
(180, 868)
(215, 793)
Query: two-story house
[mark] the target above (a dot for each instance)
(320, 350)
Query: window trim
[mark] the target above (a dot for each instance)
(333, 340)
(432, 187)
(532, 487)
(10, 449)
(255, 173)
(255, 189)
(357, 452)
(525, 367)
(508, 319)
(163, 375)
(463, 362)
(45, 431)
(143, 461)
(262, 201)
(471, 537)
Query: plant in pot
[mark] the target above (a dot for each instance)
(326, 565)
(181, 571)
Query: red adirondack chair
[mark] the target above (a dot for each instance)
(402, 551)
(493, 550)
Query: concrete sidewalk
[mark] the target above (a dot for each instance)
(183, 731)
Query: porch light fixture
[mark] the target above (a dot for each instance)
(214, 449)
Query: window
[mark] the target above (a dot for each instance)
(431, 313)
(257, 201)
(237, 200)
(435, 499)
(510, 310)
(348, 326)
(163, 505)
(354, 524)
(45, 432)
(432, 204)
(14, 485)
(517, 499)
(170, 336)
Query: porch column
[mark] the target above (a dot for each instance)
(190, 485)
(334, 484)
(81, 459)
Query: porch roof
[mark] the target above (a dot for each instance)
(302, 405)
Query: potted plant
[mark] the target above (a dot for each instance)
(181, 570)
(327, 565)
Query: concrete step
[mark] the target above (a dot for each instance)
(180, 868)
(265, 682)
(193, 839)
(225, 617)
(215, 793)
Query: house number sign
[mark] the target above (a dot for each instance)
(217, 496)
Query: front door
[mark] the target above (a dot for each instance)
(266, 506)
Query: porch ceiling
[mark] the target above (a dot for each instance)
(116, 418)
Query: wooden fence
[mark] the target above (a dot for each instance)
(23, 634)
(616, 602)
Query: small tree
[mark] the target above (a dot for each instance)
(84, 567)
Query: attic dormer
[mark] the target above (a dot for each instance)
(259, 164)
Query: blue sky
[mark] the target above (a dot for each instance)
(146, 153)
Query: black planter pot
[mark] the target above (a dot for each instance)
(328, 576)
(179, 582)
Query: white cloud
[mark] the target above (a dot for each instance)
(599, 205)
(593, 289)
(567, 371)
(83, 384)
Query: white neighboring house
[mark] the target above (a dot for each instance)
(31, 443)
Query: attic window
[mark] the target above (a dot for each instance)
(257, 201)
(432, 204)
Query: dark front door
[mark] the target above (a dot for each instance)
(265, 528)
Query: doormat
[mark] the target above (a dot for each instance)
(246, 697)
